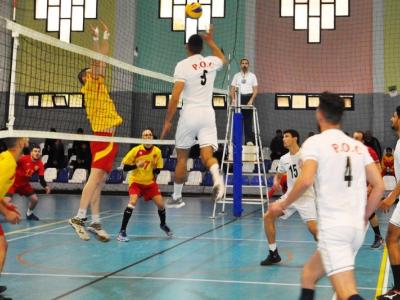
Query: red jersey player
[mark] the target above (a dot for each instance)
(28, 165)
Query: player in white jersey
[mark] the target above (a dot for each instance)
(194, 79)
(340, 167)
(393, 233)
(305, 206)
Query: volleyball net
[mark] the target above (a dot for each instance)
(41, 92)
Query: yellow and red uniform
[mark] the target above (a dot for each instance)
(7, 175)
(26, 167)
(103, 117)
(387, 165)
(141, 180)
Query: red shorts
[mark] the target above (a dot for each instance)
(148, 191)
(1, 231)
(22, 190)
(103, 153)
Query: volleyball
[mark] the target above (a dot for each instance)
(194, 10)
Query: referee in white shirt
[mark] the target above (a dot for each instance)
(246, 82)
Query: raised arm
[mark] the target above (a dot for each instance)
(209, 39)
(98, 68)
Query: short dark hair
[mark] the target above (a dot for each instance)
(34, 146)
(150, 129)
(81, 74)
(388, 149)
(332, 107)
(195, 44)
(11, 142)
(398, 111)
(244, 58)
(293, 133)
(359, 131)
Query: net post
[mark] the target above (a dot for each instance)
(11, 98)
(237, 158)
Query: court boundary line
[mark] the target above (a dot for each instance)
(54, 229)
(151, 256)
(44, 225)
(171, 279)
(381, 286)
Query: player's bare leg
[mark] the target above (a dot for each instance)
(180, 178)
(94, 182)
(95, 227)
(33, 201)
(270, 232)
(313, 228)
(3, 253)
(159, 202)
(122, 236)
(313, 270)
(211, 163)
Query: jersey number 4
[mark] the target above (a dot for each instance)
(204, 78)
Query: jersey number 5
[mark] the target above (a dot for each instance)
(204, 78)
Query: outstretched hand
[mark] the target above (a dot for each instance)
(95, 31)
(209, 35)
(105, 27)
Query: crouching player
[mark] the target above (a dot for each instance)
(144, 161)
(27, 166)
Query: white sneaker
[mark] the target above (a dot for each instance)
(79, 226)
(218, 191)
(249, 144)
(122, 236)
(175, 203)
(100, 233)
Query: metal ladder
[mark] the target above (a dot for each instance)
(256, 158)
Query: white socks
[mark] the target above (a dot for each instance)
(95, 218)
(81, 213)
(272, 247)
(214, 170)
(177, 190)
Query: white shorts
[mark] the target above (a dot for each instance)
(395, 218)
(338, 247)
(196, 122)
(305, 206)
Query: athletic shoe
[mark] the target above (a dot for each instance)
(272, 258)
(32, 217)
(218, 191)
(100, 233)
(391, 294)
(378, 242)
(166, 229)
(5, 298)
(2, 288)
(79, 226)
(122, 237)
(172, 203)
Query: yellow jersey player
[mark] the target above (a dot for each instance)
(103, 118)
(144, 161)
(8, 165)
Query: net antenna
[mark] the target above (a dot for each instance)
(44, 91)
(14, 10)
